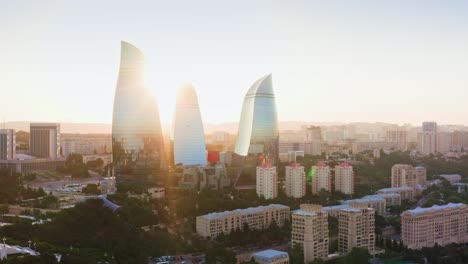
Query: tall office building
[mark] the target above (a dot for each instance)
(403, 175)
(45, 140)
(267, 181)
(356, 228)
(427, 139)
(445, 224)
(137, 139)
(257, 138)
(344, 178)
(310, 231)
(189, 136)
(7, 144)
(321, 180)
(295, 181)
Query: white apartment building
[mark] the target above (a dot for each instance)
(267, 181)
(344, 178)
(321, 178)
(310, 231)
(295, 181)
(423, 227)
(7, 144)
(378, 203)
(356, 228)
(427, 139)
(406, 193)
(213, 224)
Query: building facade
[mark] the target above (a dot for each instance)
(423, 227)
(137, 139)
(267, 181)
(295, 181)
(405, 192)
(7, 144)
(310, 231)
(258, 135)
(427, 139)
(321, 180)
(213, 224)
(421, 175)
(356, 228)
(344, 178)
(189, 135)
(398, 138)
(45, 140)
(403, 175)
(378, 203)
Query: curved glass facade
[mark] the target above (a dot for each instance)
(189, 136)
(258, 126)
(137, 139)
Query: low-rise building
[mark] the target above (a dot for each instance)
(213, 224)
(356, 228)
(391, 199)
(406, 193)
(310, 231)
(378, 203)
(452, 178)
(423, 227)
(271, 256)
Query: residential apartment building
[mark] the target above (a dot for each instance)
(378, 203)
(45, 140)
(452, 178)
(403, 175)
(427, 139)
(391, 199)
(321, 180)
(444, 142)
(295, 181)
(213, 224)
(310, 231)
(344, 178)
(356, 228)
(423, 227)
(86, 144)
(421, 175)
(406, 193)
(398, 138)
(7, 144)
(267, 181)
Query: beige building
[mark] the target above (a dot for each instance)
(356, 228)
(295, 181)
(423, 227)
(406, 193)
(427, 139)
(310, 231)
(403, 175)
(267, 181)
(271, 256)
(213, 224)
(7, 144)
(398, 137)
(421, 175)
(378, 203)
(391, 199)
(321, 178)
(344, 178)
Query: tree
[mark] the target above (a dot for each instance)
(91, 188)
(356, 256)
(296, 254)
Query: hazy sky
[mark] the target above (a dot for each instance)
(394, 61)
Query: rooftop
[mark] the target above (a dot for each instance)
(434, 208)
(401, 188)
(384, 195)
(335, 207)
(365, 199)
(303, 212)
(250, 210)
(270, 253)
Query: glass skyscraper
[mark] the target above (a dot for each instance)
(189, 136)
(137, 139)
(258, 135)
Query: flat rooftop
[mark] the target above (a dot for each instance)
(250, 210)
(270, 254)
(435, 208)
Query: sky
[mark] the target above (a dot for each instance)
(348, 61)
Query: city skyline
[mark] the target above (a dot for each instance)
(333, 67)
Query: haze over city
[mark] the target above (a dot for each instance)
(392, 61)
